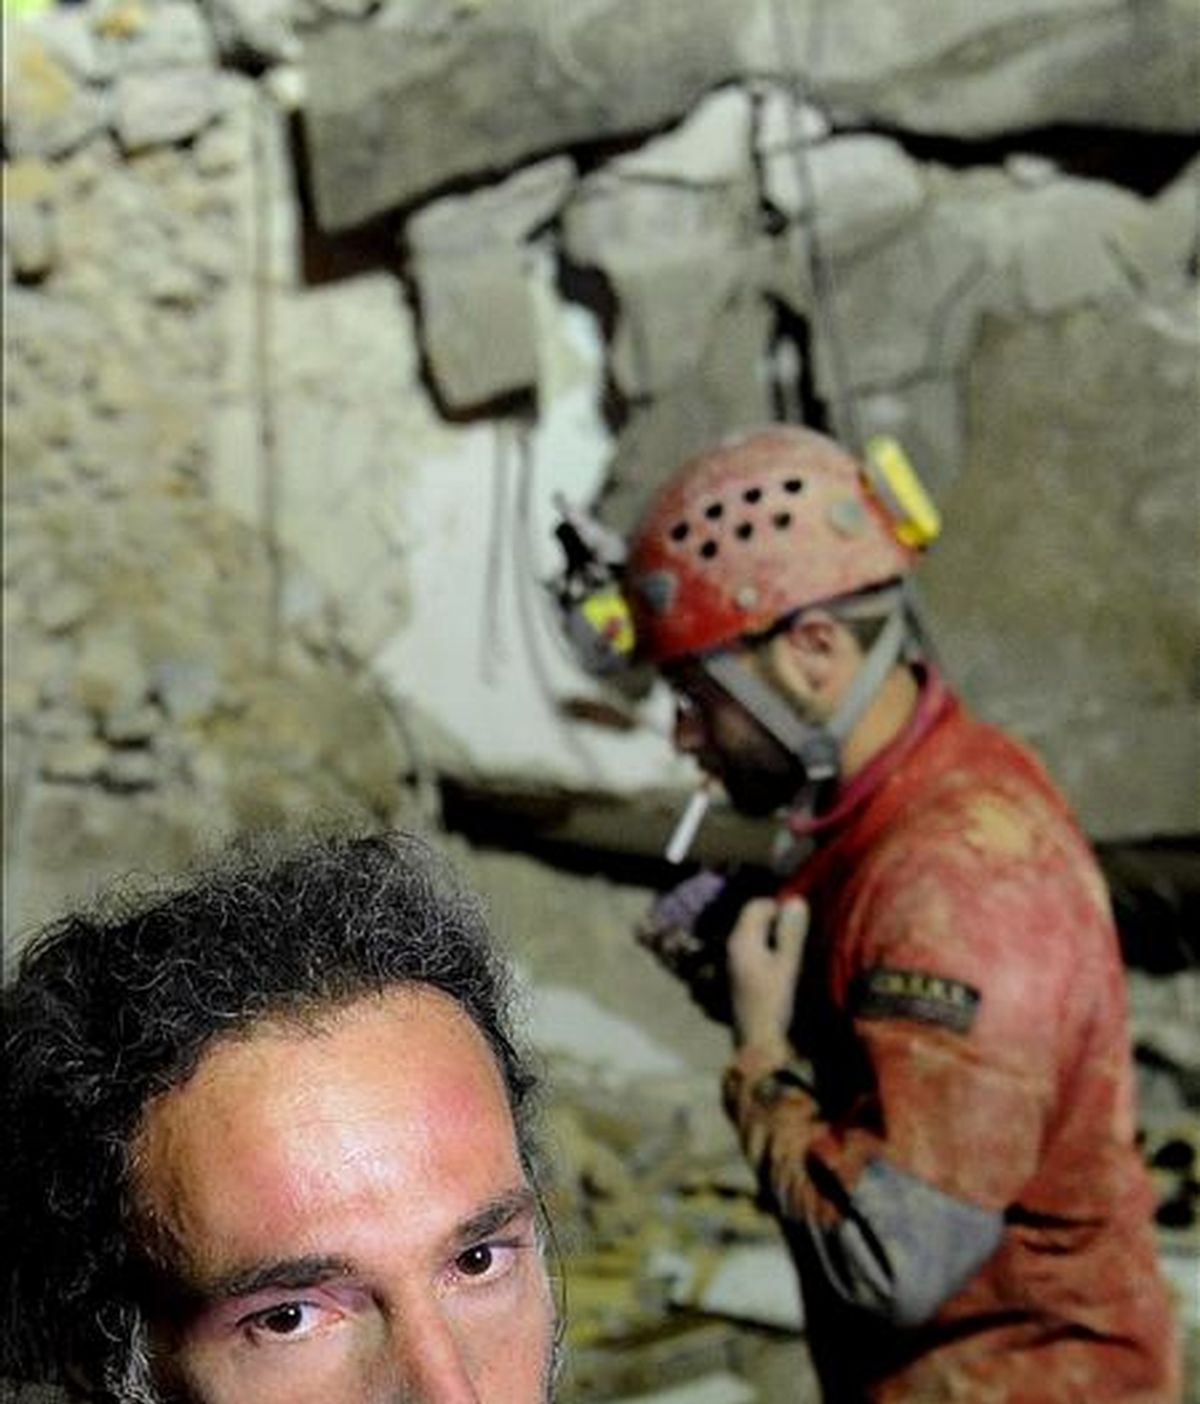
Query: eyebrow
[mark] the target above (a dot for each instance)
(310, 1271)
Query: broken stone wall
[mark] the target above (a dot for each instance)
(313, 306)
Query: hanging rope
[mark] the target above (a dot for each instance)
(799, 64)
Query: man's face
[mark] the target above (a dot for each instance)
(348, 1216)
(758, 773)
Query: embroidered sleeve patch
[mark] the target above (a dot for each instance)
(885, 993)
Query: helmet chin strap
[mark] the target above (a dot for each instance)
(816, 747)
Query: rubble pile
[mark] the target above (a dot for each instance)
(301, 337)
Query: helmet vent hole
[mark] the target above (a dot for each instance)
(708, 550)
(793, 485)
(752, 494)
(744, 531)
(782, 520)
(679, 531)
(714, 510)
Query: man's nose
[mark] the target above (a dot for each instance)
(428, 1359)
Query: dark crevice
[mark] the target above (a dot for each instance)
(1143, 162)
(590, 288)
(1155, 887)
(794, 397)
(331, 257)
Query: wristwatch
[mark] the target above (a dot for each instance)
(794, 1076)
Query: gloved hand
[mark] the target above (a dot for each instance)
(687, 928)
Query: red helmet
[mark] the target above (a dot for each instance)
(764, 525)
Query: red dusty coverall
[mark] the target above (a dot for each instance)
(959, 1184)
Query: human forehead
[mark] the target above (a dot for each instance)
(293, 1133)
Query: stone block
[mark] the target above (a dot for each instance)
(1075, 242)
(74, 761)
(862, 188)
(906, 308)
(674, 256)
(131, 770)
(498, 215)
(725, 391)
(110, 675)
(711, 146)
(133, 727)
(63, 607)
(965, 69)
(669, 311)
(70, 36)
(29, 240)
(164, 106)
(477, 326)
(47, 110)
(611, 222)
(1064, 589)
(402, 106)
(173, 34)
(784, 118)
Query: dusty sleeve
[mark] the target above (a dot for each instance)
(958, 996)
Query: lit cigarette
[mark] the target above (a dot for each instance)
(689, 822)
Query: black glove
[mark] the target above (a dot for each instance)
(688, 926)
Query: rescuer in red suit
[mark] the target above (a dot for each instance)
(932, 1073)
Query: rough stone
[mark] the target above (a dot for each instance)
(164, 106)
(710, 147)
(110, 675)
(260, 31)
(611, 222)
(288, 87)
(568, 1021)
(904, 309)
(1079, 241)
(63, 608)
(69, 35)
(478, 326)
(132, 728)
(725, 391)
(29, 240)
(47, 112)
(782, 120)
(963, 69)
(676, 258)
(188, 688)
(477, 314)
(863, 188)
(1059, 654)
(747, 1282)
(131, 770)
(501, 214)
(75, 760)
(395, 109)
(174, 35)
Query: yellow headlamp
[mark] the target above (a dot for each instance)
(916, 520)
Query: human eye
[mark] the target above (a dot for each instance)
(487, 1262)
(287, 1321)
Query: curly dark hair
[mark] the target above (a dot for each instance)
(111, 1009)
